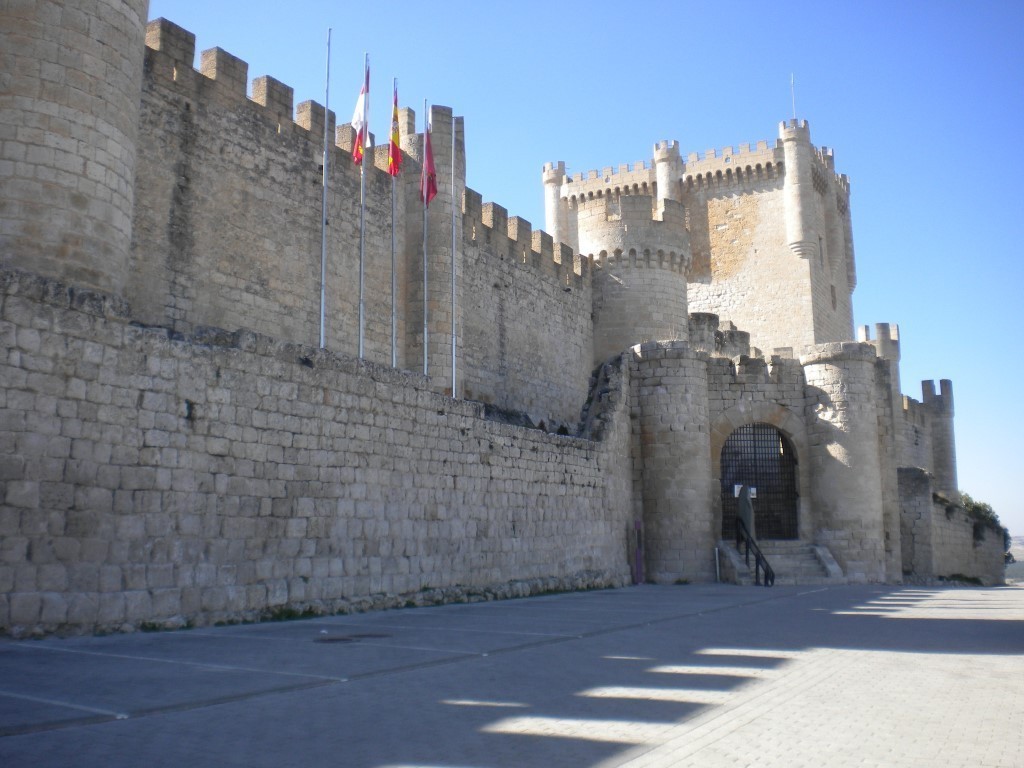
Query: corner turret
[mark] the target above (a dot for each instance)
(668, 168)
(798, 187)
(940, 408)
(555, 210)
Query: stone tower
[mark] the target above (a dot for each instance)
(846, 473)
(940, 406)
(798, 188)
(555, 209)
(668, 169)
(69, 109)
(670, 381)
(641, 253)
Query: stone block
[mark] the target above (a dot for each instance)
(25, 608)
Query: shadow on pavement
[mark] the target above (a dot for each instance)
(573, 680)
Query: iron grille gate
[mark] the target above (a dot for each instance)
(760, 456)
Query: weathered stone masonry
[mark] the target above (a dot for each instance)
(154, 478)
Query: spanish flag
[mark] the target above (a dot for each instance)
(361, 119)
(394, 150)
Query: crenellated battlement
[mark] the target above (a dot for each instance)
(762, 161)
(886, 341)
(636, 179)
(671, 261)
(728, 157)
(554, 173)
(795, 129)
(666, 151)
(170, 55)
(633, 209)
(941, 402)
(728, 167)
(176, 43)
(634, 231)
(490, 223)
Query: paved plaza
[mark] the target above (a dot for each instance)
(706, 675)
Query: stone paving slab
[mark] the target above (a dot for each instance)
(708, 675)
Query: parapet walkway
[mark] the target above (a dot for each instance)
(712, 675)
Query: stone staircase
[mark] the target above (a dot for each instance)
(794, 562)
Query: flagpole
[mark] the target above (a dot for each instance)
(426, 127)
(454, 392)
(323, 205)
(362, 204)
(394, 287)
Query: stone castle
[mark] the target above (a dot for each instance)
(176, 447)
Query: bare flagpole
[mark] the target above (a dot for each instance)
(454, 392)
(323, 205)
(423, 192)
(394, 288)
(362, 204)
(792, 92)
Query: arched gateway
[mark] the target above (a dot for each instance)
(760, 456)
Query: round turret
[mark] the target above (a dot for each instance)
(641, 254)
(69, 111)
(798, 188)
(555, 211)
(672, 396)
(847, 479)
(668, 168)
(940, 406)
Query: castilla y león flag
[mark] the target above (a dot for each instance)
(361, 120)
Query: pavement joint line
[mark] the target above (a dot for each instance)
(166, 709)
(65, 704)
(181, 662)
(375, 625)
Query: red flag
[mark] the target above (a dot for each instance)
(361, 120)
(394, 151)
(428, 176)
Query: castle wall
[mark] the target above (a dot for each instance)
(227, 222)
(149, 478)
(526, 341)
(227, 235)
(940, 539)
(914, 436)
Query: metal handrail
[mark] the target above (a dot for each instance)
(760, 561)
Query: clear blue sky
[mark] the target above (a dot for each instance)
(923, 103)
